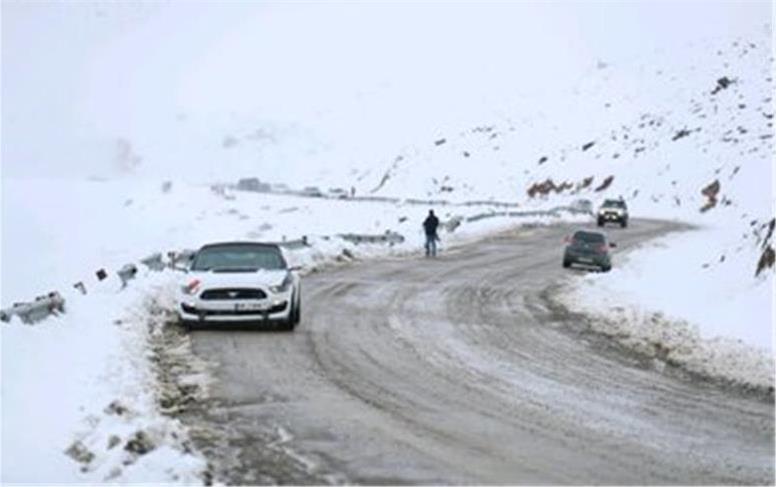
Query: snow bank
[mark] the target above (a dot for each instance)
(672, 299)
(78, 393)
(704, 292)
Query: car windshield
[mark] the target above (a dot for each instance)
(614, 204)
(239, 258)
(589, 237)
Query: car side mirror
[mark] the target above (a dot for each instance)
(612, 244)
(295, 268)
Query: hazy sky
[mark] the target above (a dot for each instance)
(77, 75)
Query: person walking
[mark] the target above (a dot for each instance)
(430, 226)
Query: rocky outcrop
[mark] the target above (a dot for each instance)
(605, 183)
(710, 192)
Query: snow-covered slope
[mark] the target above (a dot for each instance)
(462, 118)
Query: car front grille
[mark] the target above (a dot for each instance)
(233, 293)
(234, 312)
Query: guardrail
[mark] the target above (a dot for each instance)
(514, 214)
(390, 238)
(154, 262)
(297, 244)
(39, 309)
(320, 194)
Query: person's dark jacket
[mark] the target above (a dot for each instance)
(430, 225)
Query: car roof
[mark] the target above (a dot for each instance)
(240, 244)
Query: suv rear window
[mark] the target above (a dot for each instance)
(589, 237)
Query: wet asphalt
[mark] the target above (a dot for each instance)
(459, 370)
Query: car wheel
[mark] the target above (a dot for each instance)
(606, 268)
(624, 223)
(188, 325)
(566, 263)
(293, 318)
(297, 315)
(288, 325)
(600, 222)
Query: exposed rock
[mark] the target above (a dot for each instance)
(771, 225)
(384, 180)
(710, 192)
(139, 443)
(766, 260)
(113, 441)
(547, 186)
(585, 183)
(605, 184)
(78, 452)
(115, 407)
(722, 84)
(542, 160)
(680, 134)
(588, 145)
(440, 141)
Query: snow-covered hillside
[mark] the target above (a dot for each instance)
(681, 129)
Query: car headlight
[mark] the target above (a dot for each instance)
(192, 287)
(283, 286)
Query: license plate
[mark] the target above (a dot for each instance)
(585, 260)
(248, 307)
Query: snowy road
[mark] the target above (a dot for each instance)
(459, 370)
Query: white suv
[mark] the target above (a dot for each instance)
(615, 211)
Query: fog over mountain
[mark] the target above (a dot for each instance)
(152, 89)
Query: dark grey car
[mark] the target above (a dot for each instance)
(588, 248)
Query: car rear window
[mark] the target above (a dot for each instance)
(238, 257)
(589, 237)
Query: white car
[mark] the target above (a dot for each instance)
(240, 282)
